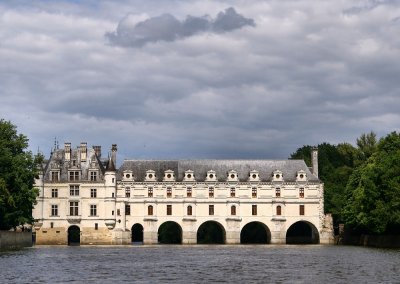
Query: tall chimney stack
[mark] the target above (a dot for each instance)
(114, 154)
(97, 150)
(67, 151)
(314, 160)
(83, 150)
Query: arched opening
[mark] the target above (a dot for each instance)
(211, 232)
(302, 232)
(255, 233)
(170, 233)
(137, 233)
(74, 236)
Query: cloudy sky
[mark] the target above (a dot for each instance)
(200, 79)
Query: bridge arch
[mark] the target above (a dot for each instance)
(211, 232)
(302, 232)
(137, 233)
(170, 232)
(74, 236)
(255, 233)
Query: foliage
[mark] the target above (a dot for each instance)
(17, 173)
(373, 191)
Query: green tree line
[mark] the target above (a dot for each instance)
(362, 182)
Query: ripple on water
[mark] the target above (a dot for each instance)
(199, 264)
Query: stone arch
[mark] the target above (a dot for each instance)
(255, 233)
(74, 236)
(137, 233)
(302, 232)
(211, 232)
(170, 232)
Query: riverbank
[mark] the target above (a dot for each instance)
(379, 241)
(14, 240)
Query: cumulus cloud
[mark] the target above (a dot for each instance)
(167, 28)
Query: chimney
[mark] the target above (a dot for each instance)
(314, 160)
(97, 150)
(67, 151)
(114, 154)
(83, 150)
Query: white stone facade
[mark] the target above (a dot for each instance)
(78, 188)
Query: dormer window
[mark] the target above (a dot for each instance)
(301, 176)
(93, 175)
(254, 176)
(169, 175)
(211, 176)
(55, 176)
(74, 175)
(189, 175)
(150, 175)
(127, 176)
(232, 175)
(277, 176)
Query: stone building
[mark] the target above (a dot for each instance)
(85, 198)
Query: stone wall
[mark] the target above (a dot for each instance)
(14, 240)
(382, 241)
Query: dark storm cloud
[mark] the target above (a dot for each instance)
(167, 28)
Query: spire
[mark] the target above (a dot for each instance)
(110, 167)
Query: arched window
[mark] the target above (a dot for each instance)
(233, 210)
(189, 210)
(278, 210)
(150, 210)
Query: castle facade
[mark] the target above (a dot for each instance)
(85, 198)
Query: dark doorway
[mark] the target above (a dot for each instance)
(255, 233)
(137, 233)
(302, 232)
(170, 233)
(211, 232)
(74, 236)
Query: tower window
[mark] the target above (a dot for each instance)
(254, 210)
(169, 209)
(150, 210)
(189, 210)
(278, 210)
(211, 192)
(233, 210)
(301, 209)
(210, 209)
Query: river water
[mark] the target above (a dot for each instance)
(201, 264)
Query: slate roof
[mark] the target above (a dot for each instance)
(289, 168)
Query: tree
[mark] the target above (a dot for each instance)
(373, 191)
(366, 144)
(17, 173)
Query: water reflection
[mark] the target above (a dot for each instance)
(200, 263)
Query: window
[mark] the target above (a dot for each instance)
(169, 209)
(233, 192)
(189, 192)
(93, 210)
(150, 210)
(301, 209)
(93, 176)
(210, 209)
(169, 191)
(233, 210)
(52, 225)
(118, 212)
(253, 210)
(54, 192)
(278, 210)
(74, 175)
(189, 210)
(93, 192)
(254, 192)
(55, 176)
(54, 210)
(150, 192)
(73, 208)
(127, 209)
(128, 192)
(278, 192)
(96, 226)
(211, 192)
(74, 190)
(301, 192)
